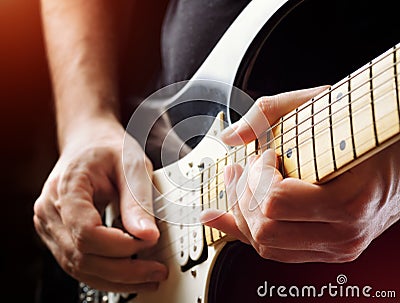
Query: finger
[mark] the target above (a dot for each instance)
(227, 222)
(124, 270)
(297, 235)
(235, 192)
(296, 200)
(298, 256)
(255, 184)
(104, 285)
(112, 270)
(224, 222)
(264, 113)
(89, 235)
(292, 199)
(135, 186)
(42, 231)
(263, 174)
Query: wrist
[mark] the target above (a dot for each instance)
(85, 125)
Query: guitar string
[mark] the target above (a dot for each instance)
(214, 176)
(347, 79)
(188, 192)
(338, 100)
(221, 183)
(159, 198)
(186, 246)
(291, 139)
(217, 184)
(354, 148)
(345, 107)
(330, 164)
(276, 148)
(205, 193)
(186, 234)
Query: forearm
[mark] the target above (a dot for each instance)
(83, 45)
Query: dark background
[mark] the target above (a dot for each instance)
(28, 148)
(28, 143)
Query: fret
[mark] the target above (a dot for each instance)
(342, 125)
(282, 152)
(245, 154)
(331, 130)
(289, 147)
(222, 203)
(257, 147)
(351, 118)
(264, 142)
(385, 99)
(396, 55)
(324, 160)
(364, 137)
(313, 140)
(214, 186)
(206, 203)
(371, 86)
(297, 144)
(212, 195)
(251, 149)
(220, 187)
(305, 147)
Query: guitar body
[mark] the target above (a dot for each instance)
(274, 46)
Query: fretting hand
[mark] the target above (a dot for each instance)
(290, 220)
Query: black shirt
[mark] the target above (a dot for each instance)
(190, 31)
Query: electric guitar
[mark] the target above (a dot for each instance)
(328, 135)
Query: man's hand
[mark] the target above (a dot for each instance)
(290, 220)
(68, 213)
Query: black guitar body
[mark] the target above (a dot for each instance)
(311, 43)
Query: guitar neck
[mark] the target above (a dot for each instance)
(341, 127)
(344, 125)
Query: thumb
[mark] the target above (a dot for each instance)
(264, 113)
(136, 202)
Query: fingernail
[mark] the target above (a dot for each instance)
(147, 224)
(229, 174)
(158, 276)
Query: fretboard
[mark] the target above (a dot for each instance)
(344, 125)
(327, 135)
(213, 190)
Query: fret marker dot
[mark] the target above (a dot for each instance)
(339, 96)
(342, 145)
(221, 194)
(289, 153)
